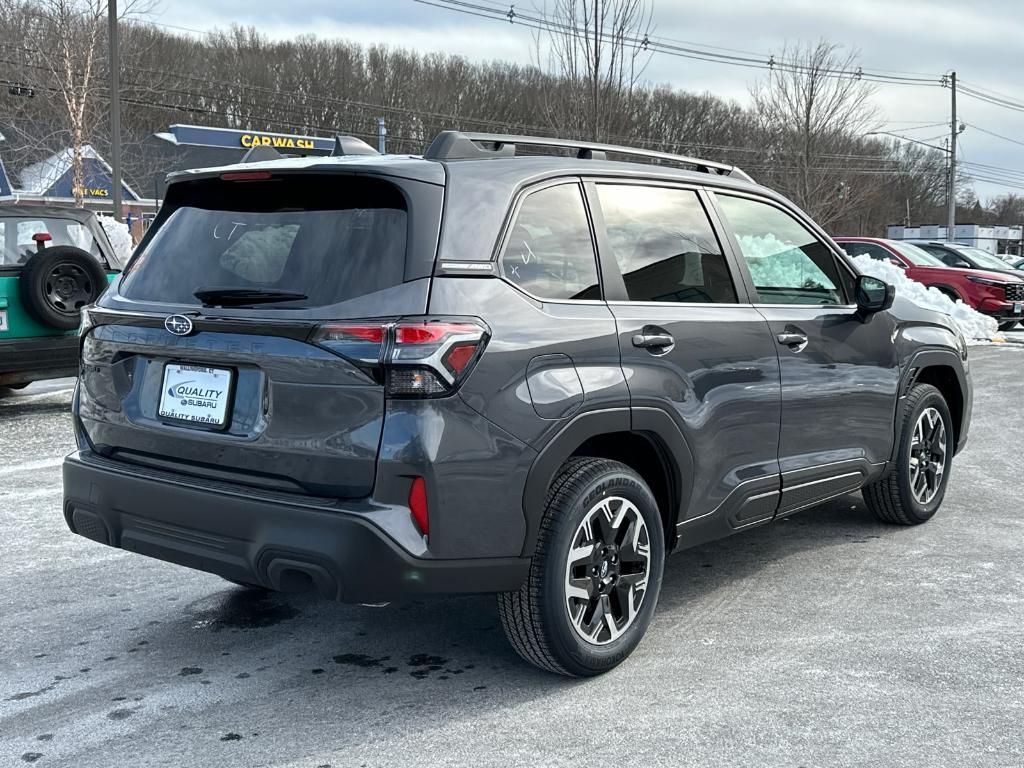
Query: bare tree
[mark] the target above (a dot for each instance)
(596, 56)
(63, 51)
(812, 108)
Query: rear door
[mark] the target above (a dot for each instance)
(692, 346)
(839, 374)
(278, 386)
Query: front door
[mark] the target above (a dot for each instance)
(840, 374)
(693, 350)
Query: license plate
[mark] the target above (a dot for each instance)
(3, 321)
(1017, 307)
(196, 394)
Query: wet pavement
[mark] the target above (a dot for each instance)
(827, 639)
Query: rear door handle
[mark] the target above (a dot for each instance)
(652, 340)
(792, 339)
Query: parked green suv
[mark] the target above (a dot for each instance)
(54, 261)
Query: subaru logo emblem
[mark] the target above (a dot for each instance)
(179, 325)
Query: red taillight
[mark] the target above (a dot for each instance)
(429, 333)
(246, 176)
(459, 357)
(428, 358)
(418, 505)
(339, 331)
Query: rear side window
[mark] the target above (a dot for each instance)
(787, 263)
(549, 252)
(330, 238)
(664, 245)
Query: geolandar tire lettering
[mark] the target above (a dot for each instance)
(595, 577)
(913, 492)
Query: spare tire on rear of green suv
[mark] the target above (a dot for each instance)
(57, 282)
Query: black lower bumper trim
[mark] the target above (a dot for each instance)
(263, 541)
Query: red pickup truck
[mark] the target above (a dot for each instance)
(995, 294)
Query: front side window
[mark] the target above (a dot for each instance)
(664, 245)
(549, 252)
(788, 264)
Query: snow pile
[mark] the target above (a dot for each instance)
(120, 237)
(774, 262)
(975, 326)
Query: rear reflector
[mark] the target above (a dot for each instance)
(418, 505)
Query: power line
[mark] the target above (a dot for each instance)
(540, 21)
(996, 135)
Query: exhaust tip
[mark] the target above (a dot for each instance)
(296, 576)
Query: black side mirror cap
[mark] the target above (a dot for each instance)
(873, 295)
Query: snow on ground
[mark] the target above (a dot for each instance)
(976, 327)
(120, 237)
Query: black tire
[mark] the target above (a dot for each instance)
(892, 499)
(1008, 326)
(536, 618)
(56, 283)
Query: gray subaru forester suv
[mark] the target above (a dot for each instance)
(483, 371)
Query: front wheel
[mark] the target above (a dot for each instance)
(596, 573)
(912, 493)
(1008, 326)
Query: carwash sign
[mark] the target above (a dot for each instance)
(226, 138)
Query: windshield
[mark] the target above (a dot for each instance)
(916, 256)
(324, 240)
(982, 258)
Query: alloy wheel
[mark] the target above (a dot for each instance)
(607, 570)
(927, 455)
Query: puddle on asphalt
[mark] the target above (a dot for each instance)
(241, 609)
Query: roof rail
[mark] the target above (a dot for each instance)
(459, 145)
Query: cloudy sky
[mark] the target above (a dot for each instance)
(983, 40)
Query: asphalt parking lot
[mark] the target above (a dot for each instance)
(825, 640)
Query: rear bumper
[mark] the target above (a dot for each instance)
(38, 357)
(261, 539)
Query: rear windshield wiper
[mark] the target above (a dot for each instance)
(231, 297)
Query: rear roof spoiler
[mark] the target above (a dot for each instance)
(344, 146)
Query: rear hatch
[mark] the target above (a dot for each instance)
(240, 343)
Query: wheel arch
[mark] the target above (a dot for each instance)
(646, 440)
(948, 289)
(944, 370)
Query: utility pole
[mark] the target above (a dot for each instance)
(382, 133)
(115, 107)
(951, 222)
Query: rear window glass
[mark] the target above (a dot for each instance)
(330, 238)
(18, 245)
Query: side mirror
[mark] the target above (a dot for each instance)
(873, 295)
(961, 264)
(897, 263)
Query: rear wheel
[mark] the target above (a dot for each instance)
(913, 491)
(595, 576)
